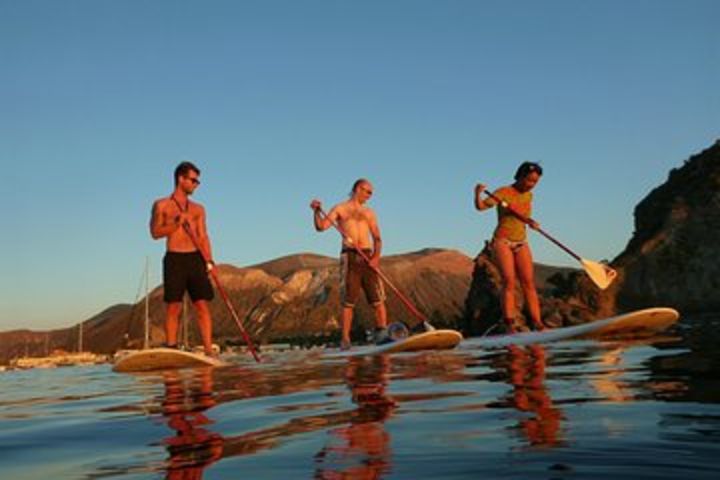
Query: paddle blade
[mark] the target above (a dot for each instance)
(601, 274)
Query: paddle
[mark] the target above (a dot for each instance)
(214, 276)
(601, 274)
(411, 308)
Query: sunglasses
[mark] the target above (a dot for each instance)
(194, 180)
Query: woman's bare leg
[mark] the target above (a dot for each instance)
(526, 275)
(506, 262)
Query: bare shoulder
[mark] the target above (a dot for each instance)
(197, 208)
(160, 204)
(369, 213)
(341, 209)
(506, 193)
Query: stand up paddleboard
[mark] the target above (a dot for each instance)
(163, 359)
(639, 323)
(432, 340)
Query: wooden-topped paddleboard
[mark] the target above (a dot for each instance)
(163, 359)
(432, 340)
(639, 323)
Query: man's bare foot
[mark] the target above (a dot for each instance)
(345, 345)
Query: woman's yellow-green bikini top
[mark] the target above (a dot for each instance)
(509, 226)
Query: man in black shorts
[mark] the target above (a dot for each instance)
(182, 223)
(359, 224)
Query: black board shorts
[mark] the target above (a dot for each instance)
(186, 271)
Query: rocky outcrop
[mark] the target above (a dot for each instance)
(308, 301)
(298, 296)
(673, 257)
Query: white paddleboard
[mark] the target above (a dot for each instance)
(639, 323)
(432, 340)
(163, 359)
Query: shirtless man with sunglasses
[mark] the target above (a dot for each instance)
(182, 224)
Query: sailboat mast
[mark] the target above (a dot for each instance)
(146, 343)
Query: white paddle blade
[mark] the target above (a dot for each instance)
(601, 274)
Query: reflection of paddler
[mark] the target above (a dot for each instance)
(526, 369)
(364, 449)
(367, 380)
(193, 447)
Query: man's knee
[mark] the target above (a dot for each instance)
(173, 308)
(202, 307)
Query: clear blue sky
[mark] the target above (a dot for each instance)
(282, 101)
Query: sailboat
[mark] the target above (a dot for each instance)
(145, 281)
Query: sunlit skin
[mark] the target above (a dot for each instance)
(360, 225)
(526, 372)
(167, 221)
(194, 446)
(515, 265)
(364, 437)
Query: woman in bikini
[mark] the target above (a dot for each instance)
(509, 244)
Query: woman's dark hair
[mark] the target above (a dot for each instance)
(183, 168)
(526, 169)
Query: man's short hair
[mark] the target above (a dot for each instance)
(183, 168)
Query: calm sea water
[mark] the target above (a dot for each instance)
(571, 410)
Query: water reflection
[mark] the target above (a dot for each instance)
(185, 403)
(632, 409)
(526, 368)
(361, 449)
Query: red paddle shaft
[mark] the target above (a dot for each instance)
(530, 221)
(387, 281)
(220, 289)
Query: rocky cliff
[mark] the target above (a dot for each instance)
(673, 257)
